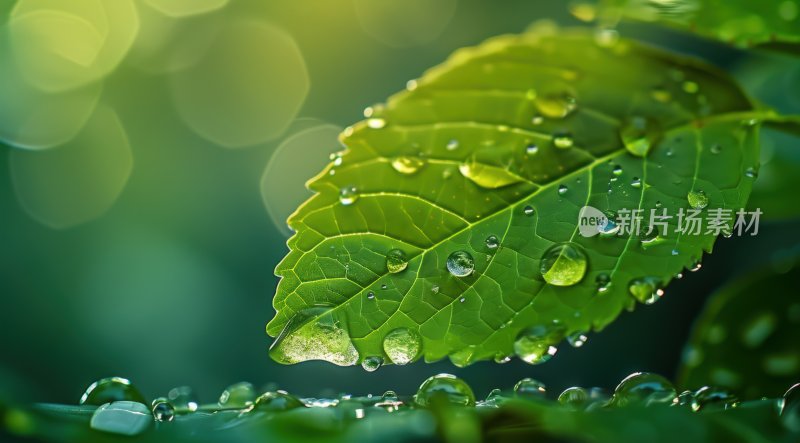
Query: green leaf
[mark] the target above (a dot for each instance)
(746, 338)
(773, 24)
(506, 142)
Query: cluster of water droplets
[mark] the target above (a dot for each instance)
(121, 408)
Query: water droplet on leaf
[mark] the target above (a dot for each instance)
(534, 345)
(348, 195)
(396, 261)
(563, 264)
(530, 388)
(563, 141)
(646, 290)
(697, 199)
(239, 395)
(109, 390)
(644, 388)
(402, 345)
(163, 410)
(407, 165)
(444, 388)
(460, 263)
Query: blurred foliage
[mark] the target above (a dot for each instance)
(772, 24)
(746, 339)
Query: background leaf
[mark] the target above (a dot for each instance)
(504, 143)
(746, 338)
(771, 24)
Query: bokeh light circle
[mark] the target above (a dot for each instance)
(78, 181)
(183, 8)
(247, 89)
(33, 119)
(61, 45)
(405, 23)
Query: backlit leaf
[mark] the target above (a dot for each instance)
(507, 141)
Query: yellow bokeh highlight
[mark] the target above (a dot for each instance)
(405, 23)
(247, 89)
(34, 119)
(78, 181)
(61, 45)
(183, 8)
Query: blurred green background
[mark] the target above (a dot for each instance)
(152, 149)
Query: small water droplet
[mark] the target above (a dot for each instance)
(376, 123)
(452, 145)
(277, 401)
(563, 141)
(109, 390)
(556, 104)
(537, 120)
(577, 339)
(487, 176)
(563, 264)
(444, 388)
(708, 397)
(696, 265)
(183, 398)
(715, 148)
(562, 189)
(528, 210)
(371, 364)
(163, 410)
(402, 345)
(396, 261)
(460, 263)
(751, 172)
(644, 388)
(646, 290)
(371, 295)
(617, 170)
(462, 299)
(412, 85)
(636, 182)
(435, 289)
(534, 345)
(603, 281)
(531, 149)
(492, 242)
(407, 165)
(238, 395)
(697, 199)
(530, 388)
(348, 195)
(574, 397)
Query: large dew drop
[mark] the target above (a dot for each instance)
(402, 345)
(444, 388)
(790, 408)
(639, 135)
(556, 105)
(163, 410)
(407, 165)
(238, 395)
(564, 264)
(371, 364)
(396, 261)
(487, 176)
(534, 345)
(314, 334)
(644, 388)
(460, 263)
(111, 389)
(530, 388)
(697, 199)
(277, 401)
